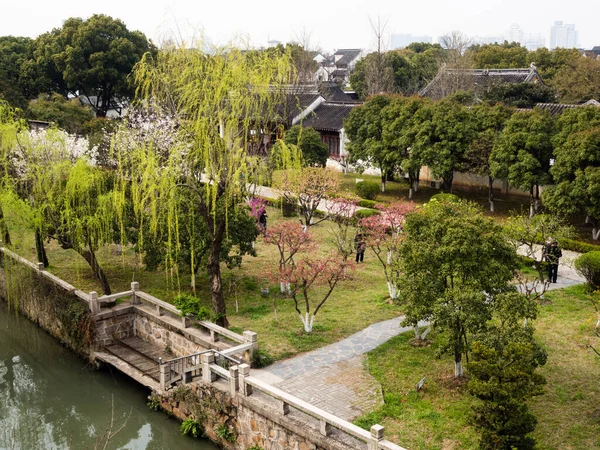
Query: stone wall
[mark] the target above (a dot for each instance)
(53, 308)
(114, 324)
(252, 421)
(162, 332)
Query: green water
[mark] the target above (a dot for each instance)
(50, 399)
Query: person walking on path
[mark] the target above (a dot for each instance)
(361, 246)
(262, 221)
(552, 253)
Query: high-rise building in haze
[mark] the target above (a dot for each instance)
(515, 34)
(563, 35)
(402, 40)
(533, 41)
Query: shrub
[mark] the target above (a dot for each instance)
(289, 208)
(190, 307)
(224, 432)
(366, 203)
(261, 358)
(588, 265)
(444, 197)
(362, 213)
(368, 189)
(578, 246)
(192, 428)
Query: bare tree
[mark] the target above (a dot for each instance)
(378, 29)
(456, 44)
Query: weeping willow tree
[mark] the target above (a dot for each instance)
(10, 125)
(220, 99)
(70, 199)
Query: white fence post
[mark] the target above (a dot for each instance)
(376, 437)
(135, 286)
(245, 389)
(94, 305)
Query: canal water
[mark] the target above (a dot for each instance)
(50, 399)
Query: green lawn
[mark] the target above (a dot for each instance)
(353, 306)
(437, 417)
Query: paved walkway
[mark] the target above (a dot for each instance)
(336, 379)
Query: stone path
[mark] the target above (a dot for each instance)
(335, 378)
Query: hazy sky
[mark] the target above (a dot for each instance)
(331, 24)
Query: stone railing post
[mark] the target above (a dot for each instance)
(376, 437)
(40, 266)
(185, 322)
(234, 380)
(250, 337)
(94, 304)
(163, 374)
(214, 336)
(207, 376)
(245, 389)
(135, 286)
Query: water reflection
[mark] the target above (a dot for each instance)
(49, 399)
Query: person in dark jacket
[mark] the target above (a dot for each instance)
(361, 246)
(552, 253)
(262, 221)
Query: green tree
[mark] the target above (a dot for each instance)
(523, 151)
(503, 377)
(445, 133)
(549, 62)
(314, 151)
(508, 55)
(401, 122)
(578, 80)
(576, 170)
(238, 93)
(444, 280)
(95, 57)
(489, 123)
(14, 52)
(364, 127)
(70, 115)
(520, 95)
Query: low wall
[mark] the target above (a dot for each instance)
(54, 307)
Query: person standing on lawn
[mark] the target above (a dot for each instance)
(361, 246)
(262, 221)
(552, 253)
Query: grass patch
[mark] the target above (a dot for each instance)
(437, 417)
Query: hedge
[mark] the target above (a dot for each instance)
(588, 265)
(578, 246)
(368, 189)
(366, 203)
(362, 213)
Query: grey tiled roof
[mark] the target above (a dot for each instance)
(333, 93)
(329, 116)
(557, 109)
(295, 103)
(347, 56)
(448, 81)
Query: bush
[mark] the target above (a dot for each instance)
(192, 428)
(588, 265)
(368, 189)
(444, 197)
(190, 307)
(362, 213)
(578, 246)
(366, 203)
(289, 208)
(261, 358)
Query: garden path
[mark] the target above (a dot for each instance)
(335, 378)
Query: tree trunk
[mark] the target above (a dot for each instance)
(216, 284)
(40, 249)
(447, 183)
(4, 234)
(531, 200)
(410, 193)
(491, 193)
(458, 367)
(90, 257)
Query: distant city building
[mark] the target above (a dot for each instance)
(404, 40)
(533, 41)
(563, 35)
(515, 34)
(487, 40)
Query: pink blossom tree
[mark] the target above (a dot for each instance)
(309, 273)
(290, 239)
(383, 233)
